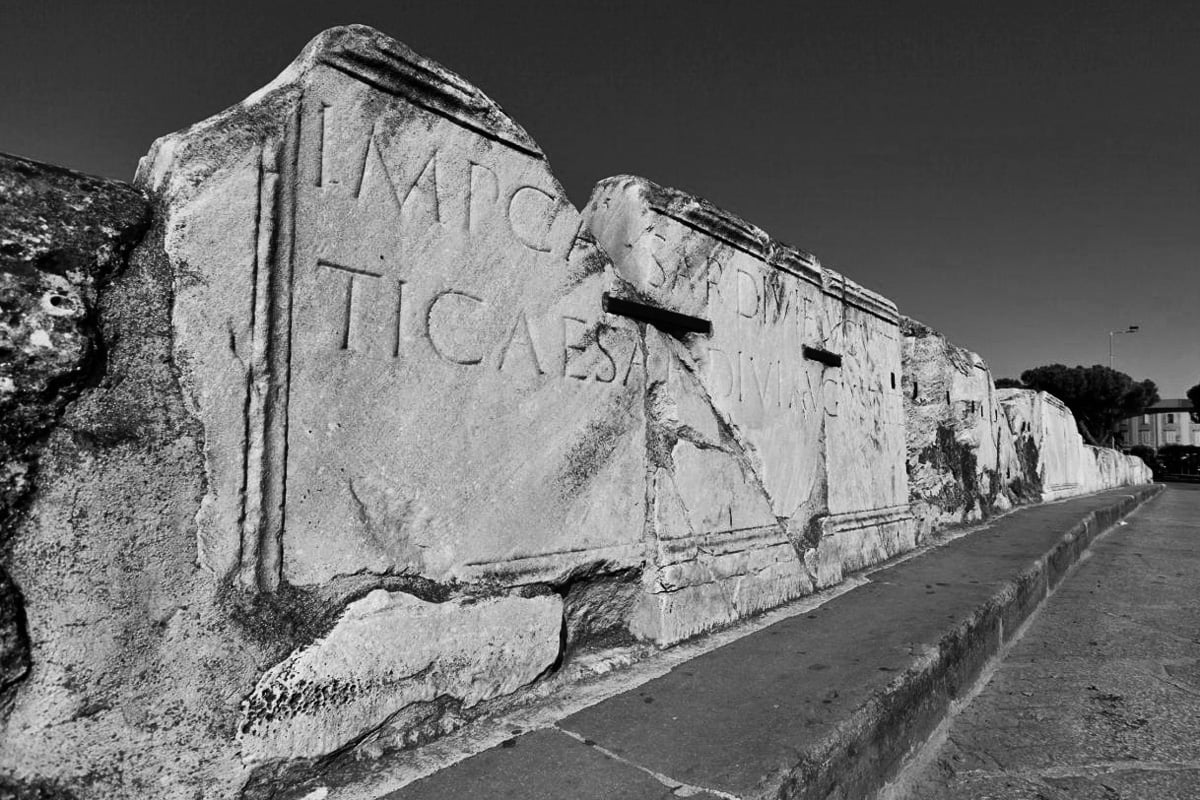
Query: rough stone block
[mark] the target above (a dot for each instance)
(1065, 465)
(62, 235)
(389, 651)
(963, 465)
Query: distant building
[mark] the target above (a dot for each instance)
(1165, 422)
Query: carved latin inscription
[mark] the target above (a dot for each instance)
(444, 321)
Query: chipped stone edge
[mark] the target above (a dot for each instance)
(731, 229)
(421, 80)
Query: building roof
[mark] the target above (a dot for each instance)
(1166, 406)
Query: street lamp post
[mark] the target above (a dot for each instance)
(1111, 334)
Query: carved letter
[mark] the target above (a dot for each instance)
(712, 277)
(714, 356)
(521, 324)
(399, 311)
(443, 350)
(831, 391)
(760, 387)
(352, 276)
(427, 186)
(522, 212)
(568, 347)
(752, 284)
(373, 146)
(776, 298)
(633, 352)
(658, 265)
(480, 177)
(612, 365)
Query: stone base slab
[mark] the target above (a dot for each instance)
(852, 541)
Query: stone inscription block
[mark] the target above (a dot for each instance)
(392, 329)
(738, 410)
(764, 304)
(801, 363)
(866, 435)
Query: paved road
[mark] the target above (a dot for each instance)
(1101, 696)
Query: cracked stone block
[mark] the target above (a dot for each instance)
(963, 464)
(1051, 427)
(869, 516)
(798, 366)
(388, 318)
(390, 651)
(1041, 423)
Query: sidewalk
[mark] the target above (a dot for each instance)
(823, 705)
(1100, 697)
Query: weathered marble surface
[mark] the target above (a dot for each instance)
(974, 451)
(368, 453)
(389, 651)
(133, 661)
(870, 519)
(1066, 466)
(759, 444)
(388, 320)
(962, 462)
(1041, 420)
(392, 333)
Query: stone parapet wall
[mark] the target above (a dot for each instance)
(1066, 466)
(974, 451)
(374, 434)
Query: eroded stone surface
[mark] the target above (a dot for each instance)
(134, 684)
(391, 650)
(1066, 466)
(974, 451)
(374, 354)
(869, 517)
(1042, 425)
(790, 395)
(963, 463)
(390, 325)
(61, 235)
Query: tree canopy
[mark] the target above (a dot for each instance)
(1008, 383)
(1193, 394)
(1098, 396)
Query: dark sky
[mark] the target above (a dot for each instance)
(1024, 177)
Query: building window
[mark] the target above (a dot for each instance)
(1146, 419)
(1170, 419)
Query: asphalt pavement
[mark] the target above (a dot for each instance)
(1100, 696)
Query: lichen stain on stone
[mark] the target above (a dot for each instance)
(948, 455)
(283, 620)
(1027, 484)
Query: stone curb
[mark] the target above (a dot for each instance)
(869, 747)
